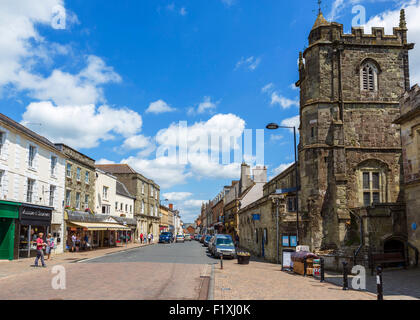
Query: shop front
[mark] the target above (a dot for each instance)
(126, 236)
(9, 213)
(33, 220)
(85, 231)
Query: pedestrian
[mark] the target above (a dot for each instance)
(150, 237)
(73, 242)
(141, 238)
(50, 246)
(86, 240)
(40, 245)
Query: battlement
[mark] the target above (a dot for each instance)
(324, 32)
(410, 100)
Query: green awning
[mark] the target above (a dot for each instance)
(9, 209)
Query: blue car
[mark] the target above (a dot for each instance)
(166, 237)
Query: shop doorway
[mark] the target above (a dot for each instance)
(6, 239)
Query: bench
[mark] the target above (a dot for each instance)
(382, 259)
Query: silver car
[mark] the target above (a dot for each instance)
(223, 245)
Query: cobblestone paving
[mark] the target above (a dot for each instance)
(265, 281)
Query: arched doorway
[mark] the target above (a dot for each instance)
(396, 246)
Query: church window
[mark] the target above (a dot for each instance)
(369, 77)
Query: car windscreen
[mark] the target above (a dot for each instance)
(165, 234)
(224, 242)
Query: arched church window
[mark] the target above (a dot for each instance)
(369, 77)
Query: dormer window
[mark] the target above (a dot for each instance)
(369, 77)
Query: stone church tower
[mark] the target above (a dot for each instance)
(350, 150)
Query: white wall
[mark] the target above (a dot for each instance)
(15, 165)
(105, 180)
(126, 202)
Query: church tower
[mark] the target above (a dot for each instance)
(349, 150)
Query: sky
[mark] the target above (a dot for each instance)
(128, 81)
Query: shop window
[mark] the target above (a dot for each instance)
(52, 195)
(30, 191)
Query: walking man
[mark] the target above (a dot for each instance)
(40, 244)
(141, 238)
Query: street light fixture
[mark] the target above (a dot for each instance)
(275, 126)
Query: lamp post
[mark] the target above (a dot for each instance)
(274, 126)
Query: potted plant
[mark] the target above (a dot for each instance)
(243, 257)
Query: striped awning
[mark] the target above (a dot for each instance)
(98, 226)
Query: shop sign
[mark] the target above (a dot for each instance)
(293, 241)
(35, 215)
(256, 217)
(285, 241)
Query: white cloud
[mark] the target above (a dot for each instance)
(206, 106)
(81, 126)
(267, 88)
(158, 107)
(137, 142)
(292, 122)
(183, 11)
(250, 63)
(276, 137)
(281, 168)
(104, 161)
(168, 170)
(177, 196)
(390, 19)
(283, 102)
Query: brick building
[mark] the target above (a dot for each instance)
(410, 131)
(350, 150)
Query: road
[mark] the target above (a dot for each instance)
(158, 272)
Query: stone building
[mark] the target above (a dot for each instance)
(164, 219)
(147, 194)
(258, 219)
(80, 180)
(350, 150)
(410, 136)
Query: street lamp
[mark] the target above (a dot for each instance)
(275, 126)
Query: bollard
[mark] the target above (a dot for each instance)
(379, 283)
(345, 276)
(221, 261)
(322, 270)
(305, 265)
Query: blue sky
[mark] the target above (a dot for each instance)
(116, 79)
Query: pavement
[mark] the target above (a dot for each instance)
(157, 272)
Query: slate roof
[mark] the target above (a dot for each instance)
(116, 168)
(27, 131)
(122, 190)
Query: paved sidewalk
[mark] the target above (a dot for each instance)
(16, 267)
(266, 281)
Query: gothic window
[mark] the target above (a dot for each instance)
(372, 183)
(369, 77)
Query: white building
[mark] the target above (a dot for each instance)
(32, 181)
(106, 193)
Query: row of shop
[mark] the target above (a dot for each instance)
(20, 225)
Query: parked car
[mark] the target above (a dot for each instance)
(202, 238)
(211, 242)
(166, 237)
(223, 244)
(206, 240)
(180, 238)
(187, 237)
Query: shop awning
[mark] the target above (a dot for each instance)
(99, 226)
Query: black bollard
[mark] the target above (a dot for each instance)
(379, 283)
(345, 276)
(221, 261)
(322, 270)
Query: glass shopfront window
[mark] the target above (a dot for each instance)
(27, 237)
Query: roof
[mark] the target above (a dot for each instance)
(320, 21)
(27, 131)
(62, 147)
(122, 190)
(116, 168)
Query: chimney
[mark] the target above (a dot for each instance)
(260, 174)
(171, 207)
(245, 177)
